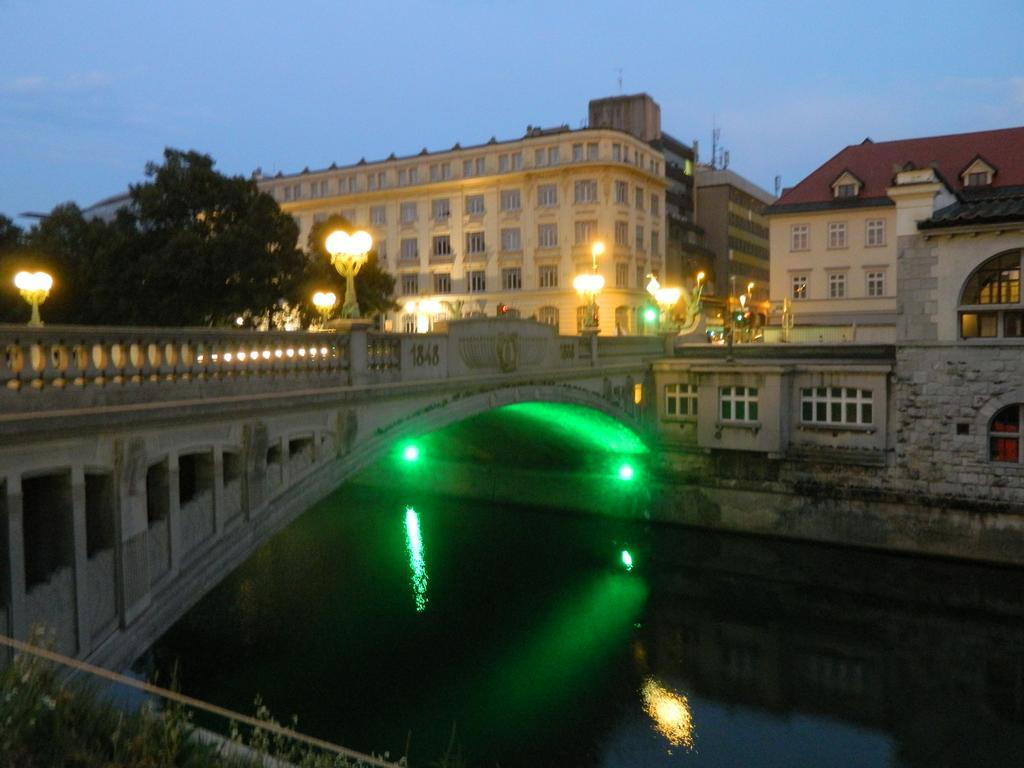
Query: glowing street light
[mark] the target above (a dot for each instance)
(325, 302)
(665, 297)
(626, 559)
(588, 285)
(34, 288)
(348, 255)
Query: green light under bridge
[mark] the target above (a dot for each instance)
(411, 452)
(586, 427)
(626, 472)
(627, 560)
(417, 563)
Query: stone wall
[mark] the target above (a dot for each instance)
(918, 289)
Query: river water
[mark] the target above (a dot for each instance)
(391, 617)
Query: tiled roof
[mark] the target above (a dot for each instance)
(999, 205)
(876, 163)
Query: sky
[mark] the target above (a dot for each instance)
(91, 92)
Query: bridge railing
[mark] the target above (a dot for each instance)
(89, 357)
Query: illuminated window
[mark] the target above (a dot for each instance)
(996, 284)
(836, 406)
(799, 287)
(1005, 435)
(548, 276)
(680, 400)
(738, 403)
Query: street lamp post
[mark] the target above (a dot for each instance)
(348, 255)
(34, 288)
(588, 285)
(325, 302)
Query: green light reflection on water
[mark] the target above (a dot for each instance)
(546, 665)
(593, 428)
(417, 564)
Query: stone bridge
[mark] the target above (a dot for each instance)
(138, 467)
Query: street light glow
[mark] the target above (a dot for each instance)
(626, 472)
(411, 453)
(627, 559)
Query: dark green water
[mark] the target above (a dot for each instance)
(518, 629)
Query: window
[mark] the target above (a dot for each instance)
(585, 232)
(977, 179)
(592, 150)
(622, 275)
(738, 403)
(517, 161)
(622, 193)
(638, 195)
(799, 284)
(502, 163)
(408, 323)
(837, 234)
(510, 239)
(995, 283)
(414, 175)
(403, 177)
(547, 195)
(655, 205)
(440, 171)
(408, 250)
(617, 152)
(553, 156)
(441, 245)
(475, 205)
(382, 249)
(548, 276)
(539, 158)
(378, 215)
(1005, 435)
(836, 406)
(442, 282)
(874, 233)
(577, 153)
(410, 285)
(680, 400)
(547, 235)
(641, 276)
(875, 284)
(440, 209)
(511, 279)
(474, 166)
(622, 233)
(477, 280)
(799, 237)
(586, 192)
(655, 243)
(548, 316)
(467, 168)
(837, 285)
(639, 237)
(846, 190)
(475, 243)
(510, 200)
(407, 213)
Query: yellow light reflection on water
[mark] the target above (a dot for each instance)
(417, 564)
(670, 713)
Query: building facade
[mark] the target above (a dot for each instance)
(730, 210)
(470, 230)
(833, 237)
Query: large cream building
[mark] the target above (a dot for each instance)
(511, 223)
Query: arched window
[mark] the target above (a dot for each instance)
(990, 305)
(1004, 435)
(624, 321)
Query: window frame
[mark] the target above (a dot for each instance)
(824, 402)
(801, 231)
(1006, 437)
(681, 401)
(739, 398)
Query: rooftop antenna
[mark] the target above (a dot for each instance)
(716, 133)
(778, 184)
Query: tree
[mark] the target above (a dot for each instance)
(374, 285)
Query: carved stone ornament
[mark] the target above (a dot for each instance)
(503, 351)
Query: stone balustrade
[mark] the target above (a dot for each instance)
(81, 357)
